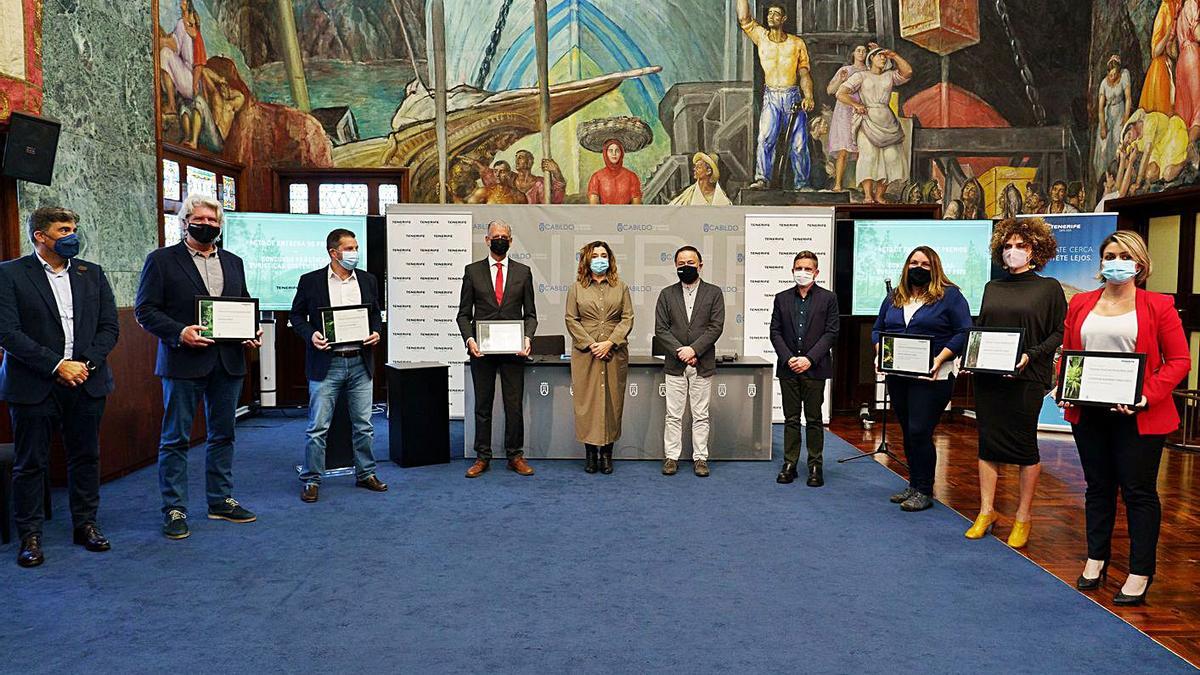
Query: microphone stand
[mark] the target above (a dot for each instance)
(882, 449)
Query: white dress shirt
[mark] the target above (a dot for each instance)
(343, 293)
(689, 297)
(60, 285)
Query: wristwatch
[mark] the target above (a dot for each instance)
(90, 366)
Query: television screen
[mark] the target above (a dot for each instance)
(277, 248)
(881, 247)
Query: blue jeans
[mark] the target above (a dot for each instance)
(776, 111)
(220, 392)
(350, 376)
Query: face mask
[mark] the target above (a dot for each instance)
(803, 277)
(599, 265)
(687, 274)
(1118, 271)
(499, 246)
(204, 233)
(68, 246)
(349, 260)
(919, 276)
(1015, 258)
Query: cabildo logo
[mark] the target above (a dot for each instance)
(634, 227)
(739, 319)
(553, 288)
(720, 227)
(729, 289)
(741, 257)
(520, 256)
(640, 289)
(556, 227)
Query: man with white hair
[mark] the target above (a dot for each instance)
(194, 367)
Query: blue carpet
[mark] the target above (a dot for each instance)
(560, 572)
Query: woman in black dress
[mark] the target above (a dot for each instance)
(1007, 406)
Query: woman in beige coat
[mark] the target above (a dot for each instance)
(599, 317)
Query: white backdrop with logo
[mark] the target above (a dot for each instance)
(427, 252)
(772, 242)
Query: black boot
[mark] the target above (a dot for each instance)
(606, 464)
(592, 458)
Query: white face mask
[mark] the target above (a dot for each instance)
(803, 277)
(1015, 258)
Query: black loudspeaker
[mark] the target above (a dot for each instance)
(29, 148)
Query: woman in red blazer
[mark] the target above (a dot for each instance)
(1121, 447)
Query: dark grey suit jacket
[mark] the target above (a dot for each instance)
(672, 329)
(478, 299)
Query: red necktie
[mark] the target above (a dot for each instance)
(499, 283)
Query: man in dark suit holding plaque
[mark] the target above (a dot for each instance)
(497, 288)
(804, 326)
(58, 324)
(334, 365)
(194, 367)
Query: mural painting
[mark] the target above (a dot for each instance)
(986, 107)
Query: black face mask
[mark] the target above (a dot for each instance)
(499, 246)
(204, 233)
(687, 274)
(919, 276)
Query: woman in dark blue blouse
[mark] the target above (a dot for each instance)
(924, 303)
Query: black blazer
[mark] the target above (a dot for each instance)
(166, 304)
(478, 299)
(672, 329)
(32, 335)
(819, 334)
(312, 293)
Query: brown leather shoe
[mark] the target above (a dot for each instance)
(477, 468)
(310, 493)
(372, 483)
(519, 465)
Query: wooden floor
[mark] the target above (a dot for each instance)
(1057, 543)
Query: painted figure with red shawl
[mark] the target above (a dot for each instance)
(613, 137)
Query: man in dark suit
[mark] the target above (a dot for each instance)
(497, 288)
(336, 369)
(58, 323)
(688, 319)
(193, 367)
(804, 326)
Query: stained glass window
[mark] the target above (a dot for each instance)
(171, 231)
(388, 194)
(298, 198)
(229, 193)
(170, 173)
(201, 182)
(343, 199)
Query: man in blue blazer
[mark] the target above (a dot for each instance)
(804, 328)
(335, 369)
(193, 367)
(58, 324)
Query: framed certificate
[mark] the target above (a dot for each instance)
(994, 350)
(500, 337)
(227, 319)
(348, 324)
(903, 354)
(1101, 378)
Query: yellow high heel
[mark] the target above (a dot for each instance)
(983, 525)
(1020, 533)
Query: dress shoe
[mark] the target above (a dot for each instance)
(1020, 533)
(520, 466)
(1130, 600)
(606, 461)
(1090, 584)
(815, 477)
(918, 502)
(90, 537)
(670, 467)
(787, 474)
(371, 483)
(592, 454)
(175, 525)
(232, 511)
(982, 526)
(700, 468)
(478, 468)
(902, 495)
(31, 551)
(310, 493)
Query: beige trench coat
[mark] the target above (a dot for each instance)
(599, 312)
